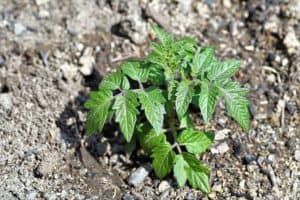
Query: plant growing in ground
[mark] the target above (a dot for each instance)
(151, 99)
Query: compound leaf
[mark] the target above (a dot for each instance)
(99, 105)
(207, 100)
(125, 107)
(163, 159)
(152, 102)
(184, 97)
(195, 141)
(236, 102)
(223, 70)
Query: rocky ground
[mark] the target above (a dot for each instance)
(52, 53)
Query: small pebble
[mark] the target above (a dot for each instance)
(139, 175)
(297, 155)
(163, 186)
(223, 148)
(19, 29)
(222, 134)
(128, 197)
(6, 101)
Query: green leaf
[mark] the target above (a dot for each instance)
(223, 70)
(186, 42)
(195, 141)
(152, 102)
(203, 60)
(135, 71)
(125, 85)
(99, 105)
(185, 46)
(184, 97)
(156, 75)
(164, 37)
(198, 180)
(179, 170)
(112, 81)
(187, 167)
(155, 58)
(126, 111)
(194, 163)
(148, 138)
(163, 159)
(157, 48)
(207, 100)
(236, 102)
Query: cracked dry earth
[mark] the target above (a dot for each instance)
(52, 53)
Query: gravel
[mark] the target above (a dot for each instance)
(53, 53)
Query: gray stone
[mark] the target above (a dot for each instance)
(47, 165)
(6, 101)
(19, 28)
(139, 175)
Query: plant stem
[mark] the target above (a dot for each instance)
(141, 85)
(177, 147)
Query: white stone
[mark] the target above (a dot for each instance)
(41, 2)
(19, 29)
(87, 61)
(291, 42)
(163, 186)
(69, 71)
(271, 24)
(227, 3)
(223, 148)
(222, 134)
(6, 101)
(297, 155)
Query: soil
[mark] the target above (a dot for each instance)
(53, 53)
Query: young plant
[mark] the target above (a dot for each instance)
(150, 99)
